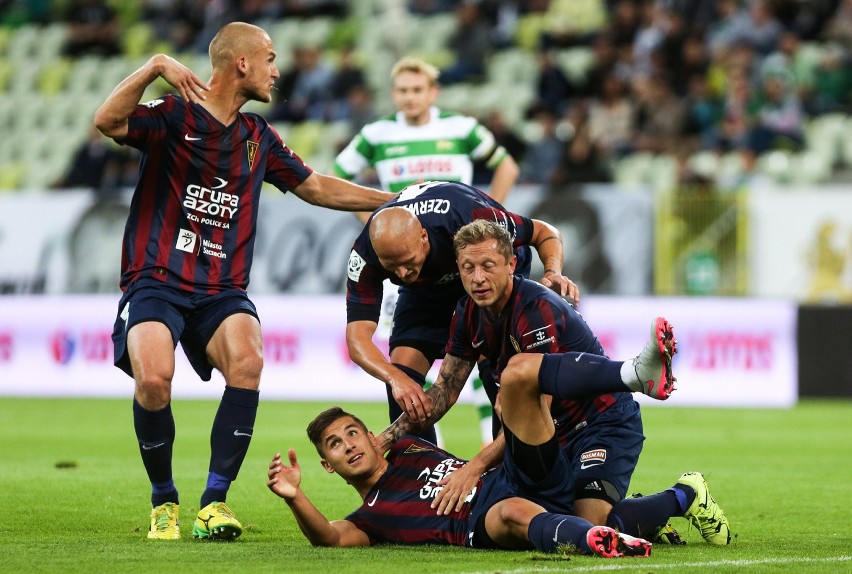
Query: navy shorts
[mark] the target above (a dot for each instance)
(508, 481)
(607, 448)
(192, 319)
(422, 320)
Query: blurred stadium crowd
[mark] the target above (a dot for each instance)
(636, 92)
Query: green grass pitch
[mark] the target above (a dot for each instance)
(76, 498)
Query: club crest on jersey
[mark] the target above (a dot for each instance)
(515, 344)
(251, 147)
(415, 448)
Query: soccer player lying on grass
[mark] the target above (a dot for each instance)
(530, 334)
(515, 506)
(519, 504)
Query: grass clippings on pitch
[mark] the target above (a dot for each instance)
(77, 499)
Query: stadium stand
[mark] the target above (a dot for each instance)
(44, 92)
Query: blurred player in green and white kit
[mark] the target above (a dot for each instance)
(418, 143)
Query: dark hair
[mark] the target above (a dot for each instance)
(325, 419)
(481, 230)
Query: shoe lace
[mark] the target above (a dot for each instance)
(707, 518)
(223, 509)
(162, 522)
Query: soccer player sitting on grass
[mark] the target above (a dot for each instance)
(528, 333)
(520, 504)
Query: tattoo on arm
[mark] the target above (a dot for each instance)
(444, 393)
(548, 239)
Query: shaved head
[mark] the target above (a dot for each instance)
(392, 229)
(235, 39)
(400, 242)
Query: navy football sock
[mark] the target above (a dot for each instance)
(394, 410)
(685, 496)
(229, 441)
(642, 516)
(537, 461)
(547, 531)
(577, 375)
(155, 432)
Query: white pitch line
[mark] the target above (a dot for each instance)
(637, 564)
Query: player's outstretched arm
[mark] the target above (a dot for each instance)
(408, 394)
(111, 118)
(335, 193)
(444, 394)
(285, 481)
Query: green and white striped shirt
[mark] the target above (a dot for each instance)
(443, 149)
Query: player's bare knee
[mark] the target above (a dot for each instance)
(244, 371)
(594, 510)
(516, 514)
(153, 391)
(520, 374)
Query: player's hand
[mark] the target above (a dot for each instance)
(284, 480)
(411, 399)
(563, 286)
(190, 86)
(456, 488)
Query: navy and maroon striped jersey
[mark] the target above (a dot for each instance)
(442, 208)
(398, 508)
(194, 211)
(534, 320)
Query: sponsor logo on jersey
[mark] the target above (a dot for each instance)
(396, 150)
(592, 458)
(153, 103)
(212, 249)
(540, 338)
(211, 205)
(186, 241)
(251, 148)
(432, 476)
(423, 166)
(375, 498)
(355, 266)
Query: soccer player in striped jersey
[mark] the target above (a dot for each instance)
(514, 506)
(409, 242)
(535, 337)
(421, 142)
(188, 248)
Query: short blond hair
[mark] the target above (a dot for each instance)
(480, 230)
(416, 66)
